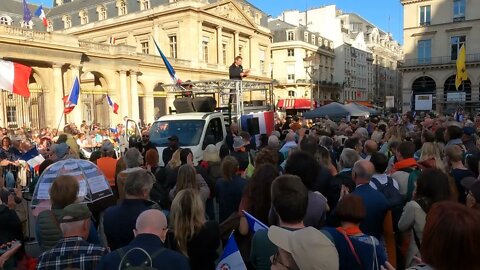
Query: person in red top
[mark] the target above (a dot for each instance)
(108, 162)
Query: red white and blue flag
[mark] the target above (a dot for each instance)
(72, 100)
(169, 67)
(231, 258)
(40, 13)
(14, 78)
(112, 104)
(253, 223)
(265, 120)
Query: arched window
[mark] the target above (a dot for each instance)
(28, 25)
(5, 20)
(83, 17)
(67, 21)
(144, 4)
(102, 13)
(122, 7)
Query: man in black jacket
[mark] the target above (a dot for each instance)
(236, 72)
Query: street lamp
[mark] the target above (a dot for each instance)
(308, 64)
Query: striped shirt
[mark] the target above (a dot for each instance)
(71, 252)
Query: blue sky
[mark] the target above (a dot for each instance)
(375, 11)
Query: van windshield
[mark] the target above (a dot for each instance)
(188, 132)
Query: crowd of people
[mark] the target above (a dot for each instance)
(390, 192)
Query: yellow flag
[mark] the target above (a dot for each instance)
(461, 68)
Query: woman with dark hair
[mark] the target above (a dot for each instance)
(256, 197)
(356, 250)
(432, 186)
(451, 238)
(440, 139)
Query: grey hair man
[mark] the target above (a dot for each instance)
(343, 180)
(75, 225)
(119, 221)
(375, 202)
(133, 158)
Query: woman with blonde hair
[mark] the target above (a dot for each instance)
(188, 178)
(195, 237)
(175, 161)
(430, 157)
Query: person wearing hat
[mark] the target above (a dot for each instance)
(240, 152)
(108, 162)
(73, 251)
(472, 186)
(299, 247)
(60, 151)
(172, 147)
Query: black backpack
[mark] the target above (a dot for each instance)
(147, 264)
(394, 198)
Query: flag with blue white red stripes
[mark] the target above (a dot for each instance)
(231, 258)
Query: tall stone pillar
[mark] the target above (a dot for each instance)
(135, 114)
(219, 46)
(54, 113)
(148, 108)
(200, 39)
(236, 41)
(124, 98)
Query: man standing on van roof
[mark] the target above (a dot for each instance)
(236, 71)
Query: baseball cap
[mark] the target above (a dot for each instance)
(238, 142)
(469, 130)
(75, 212)
(309, 247)
(173, 138)
(107, 146)
(60, 150)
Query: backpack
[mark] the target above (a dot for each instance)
(394, 198)
(147, 264)
(413, 174)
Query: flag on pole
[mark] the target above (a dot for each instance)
(169, 67)
(231, 258)
(14, 78)
(253, 223)
(40, 13)
(27, 15)
(112, 104)
(461, 67)
(72, 100)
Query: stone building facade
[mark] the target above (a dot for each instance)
(109, 46)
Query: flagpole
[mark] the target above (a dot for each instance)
(60, 121)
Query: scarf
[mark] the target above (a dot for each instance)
(406, 163)
(350, 231)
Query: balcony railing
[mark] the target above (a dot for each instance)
(443, 60)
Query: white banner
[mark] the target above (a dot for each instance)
(389, 102)
(423, 102)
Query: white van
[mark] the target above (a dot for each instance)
(194, 130)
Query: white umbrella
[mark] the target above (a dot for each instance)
(93, 184)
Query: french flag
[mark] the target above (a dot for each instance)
(254, 224)
(72, 100)
(265, 121)
(14, 78)
(231, 258)
(33, 158)
(111, 40)
(169, 67)
(112, 104)
(40, 13)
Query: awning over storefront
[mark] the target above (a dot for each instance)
(363, 103)
(294, 103)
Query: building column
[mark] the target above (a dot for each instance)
(135, 114)
(250, 54)
(54, 113)
(219, 46)
(124, 99)
(148, 108)
(236, 42)
(200, 39)
(77, 114)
